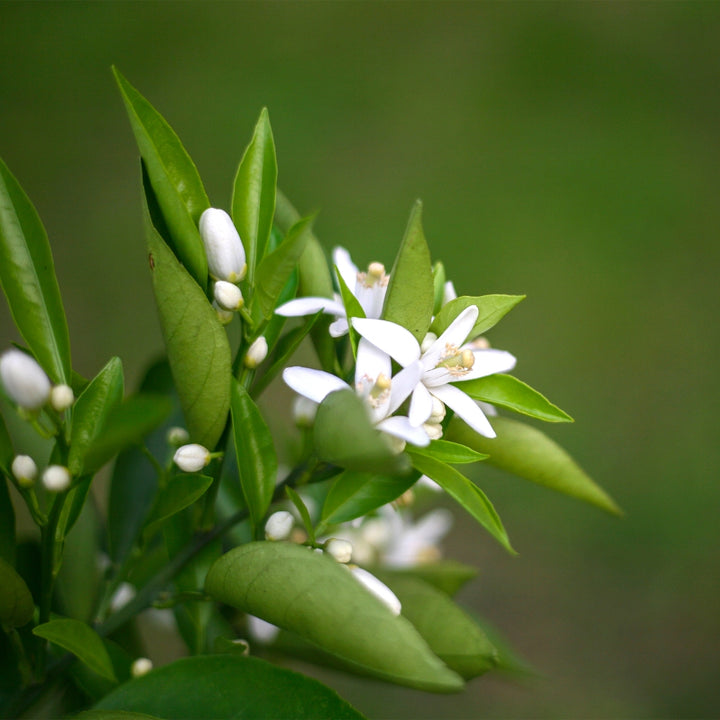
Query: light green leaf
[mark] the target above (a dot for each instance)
(450, 452)
(525, 451)
(181, 492)
(27, 277)
(410, 295)
(7, 524)
(469, 495)
(226, 687)
(81, 640)
(353, 309)
(438, 274)
(491, 309)
(295, 588)
(508, 392)
(16, 602)
(256, 458)
(253, 201)
(91, 411)
(173, 176)
(445, 575)
(300, 506)
(364, 449)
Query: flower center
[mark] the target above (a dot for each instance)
(377, 391)
(375, 275)
(457, 362)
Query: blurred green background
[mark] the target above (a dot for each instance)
(569, 151)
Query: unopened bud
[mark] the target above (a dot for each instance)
(141, 666)
(61, 397)
(25, 381)
(256, 353)
(377, 588)
(224, 316)
(396, 444)
(448, 292)
(227, 295)
(223, 246)
(428, 340)
(304, 411)
(438, 411)
(177, 436)
(341, 550)
(56, 478)
(192, 457)
(279, 525)
(25, 470)
(434, 430)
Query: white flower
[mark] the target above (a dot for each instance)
(368, 287)
(25, 381)
(141, 666)
(256, 353)
(279, 525)
(340, 549)
(304, 411)
(383, 394)
(192, 457)
(261, 630)
(412, 544)
(227, 295)
(25, 470)
(223, 246)
(122, 596)
(177, 436)
(379, 589)
(61, 397)
(447, 360)
(56, 478)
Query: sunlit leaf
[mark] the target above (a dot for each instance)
(491, 309)
(450, 452)
(438, 274)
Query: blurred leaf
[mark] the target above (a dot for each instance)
(27, 276)
(363, 449)
(227, 687)
(491, 309)
(7, 524)
(181, 492)
(81, 640)
(16, 602)
(410, 294)
(277, 322)
(255, 451)
(525, 451)
(7, 454)
(508, 392)
(469, 495)
(445, 575)
(253, 201)
(304, 513)
(449, 452)
(175, 181)
(91, 411)
(114, 715)
(71, 509)
(438, 275)
(295, 588)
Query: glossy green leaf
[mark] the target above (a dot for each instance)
(353, 309)
(7, 524)
(492, 308)
(450, 452)
(527, 452)
(304, 513)
(256, 458)
(276, 268)
(181, 492)
(438, 274)
(364, 449)
(71, 509)
(253, 201)
(469, 495)
(16, 602)
(449, 631)
(508, 392)
(297, 589)
(91, 411)
(81, 640)
(410, 295)
(227, 687)
(173, 176)
(196, 342)
(27, 277)
(445, 575)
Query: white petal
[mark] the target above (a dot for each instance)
(346, 267)
(377, 588)
(339, 327)
(454, 334)
(400, 426)
(371, 362)
(421, 405)
(465, 407)
(403, 384)
(489, 362)
(309, 306)
(391, 338)
(313, 384)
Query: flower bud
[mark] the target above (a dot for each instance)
(224, 316)
(428, 340)
(256, 353)
(279, 525)
(341, 550)
(25, 381)
(122, 596)
(56, 478)
(177, 436)
(25, 470)
(262, 630)
(141, 666)
(438, 411)
(304, 411)
(377, 588)
(223, 246)
(192, 457)
(227, 295)
(434, 430)
(61, 398)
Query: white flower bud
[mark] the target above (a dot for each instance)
(262, 630)
(224, 316)
(304, 411)
(428, 340)
(25, 470)
(223, 246)
(396, 444)
(122, 596)
(377, 588)
(56, 478)
(434, 430)
(61, 397)
(25, 381)
(141, 666)
(341, 550)
(177, 436)
(438, 411)
(192, 457)
(449, 292)
(256, 353)
(279, 525)
(227, 295)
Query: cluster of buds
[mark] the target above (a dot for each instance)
(29, 387)
(55, 478)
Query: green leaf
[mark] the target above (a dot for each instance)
(276, 268)
(181, 492)
(256, 459)
(16, 602)
(227, 687)
(295, 588)
(71, 510)
(353, 309)
(450, 452)
(491, 309)
(364, 448)
(304, 513)
(91, 411)
(7, 453)
(27, 276)
(469, 495)
(81, 640)
(173, 176)
(449, 631)
(197, 344)
(508, 392)
(527, 452)
(446, 575)
(114, 715)
(7, 524)
(438, 275)
(253, 201)
(410, 295)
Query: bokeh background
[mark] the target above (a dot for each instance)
(569, 151)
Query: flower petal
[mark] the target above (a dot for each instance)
(465, 407)
(339, 327)
(403, 384)
(489, 362)
(313, 384)
(454, 334)
(420, 405)
(400, 426)
(309, 306)
(371, 362)
(346, 267)
(391, 338)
